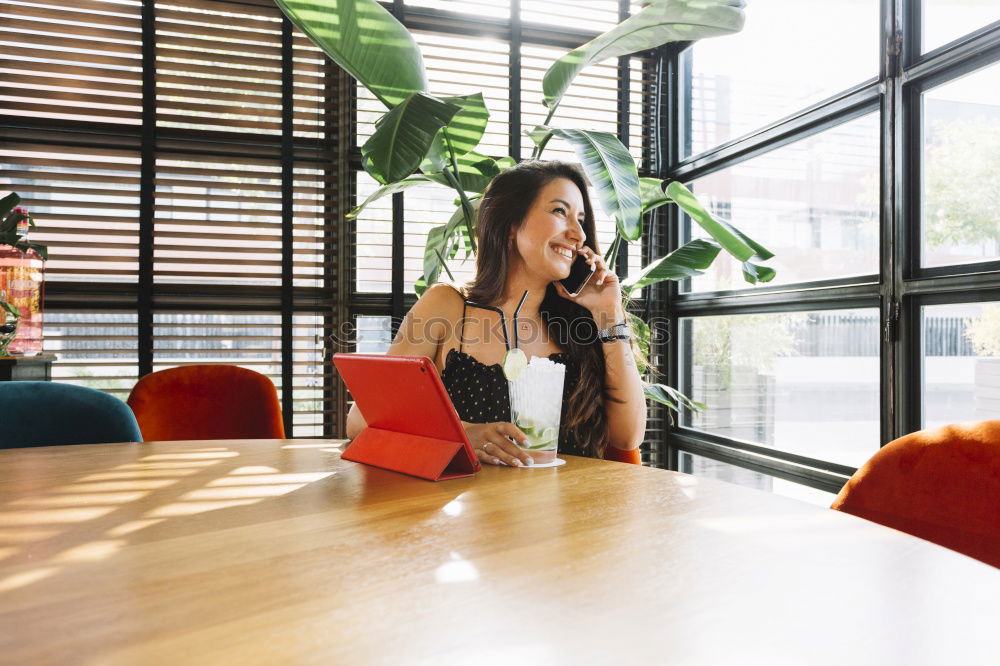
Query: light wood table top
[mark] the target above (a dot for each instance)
(278, 552)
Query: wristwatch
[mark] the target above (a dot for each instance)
(616, 332)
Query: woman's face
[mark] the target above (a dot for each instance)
(551, 233)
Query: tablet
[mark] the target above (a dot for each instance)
(403, 394)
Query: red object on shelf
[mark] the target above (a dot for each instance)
(22, 277)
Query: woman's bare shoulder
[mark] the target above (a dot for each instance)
(442, 299)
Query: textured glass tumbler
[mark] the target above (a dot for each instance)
(536, 406)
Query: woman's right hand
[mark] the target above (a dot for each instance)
(493, 446)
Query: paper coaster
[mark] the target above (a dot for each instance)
(554, 463)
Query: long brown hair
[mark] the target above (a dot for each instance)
(503, 209)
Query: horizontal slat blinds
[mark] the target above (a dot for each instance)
(74, 141)
(74, 61)
(596, 17)
(86, 201)
(95, 348)
(372, 252)
(458, 65)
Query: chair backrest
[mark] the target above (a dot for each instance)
(632, 456)
(942, 485)
(51, 414)
(207, 402)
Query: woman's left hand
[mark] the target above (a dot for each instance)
(602, 294)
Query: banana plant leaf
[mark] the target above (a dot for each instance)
(391, 188)
(475, 172)
(642, 335)
(402, 137)
(689, 260)
(443, 242)
(671, 397)
(366, 40)
(730, 241)
(610, 168)
(652, 194)
(506, 163)
(662, 21)
(465, 131)
(754, 273)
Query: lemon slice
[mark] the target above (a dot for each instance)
(514, 363)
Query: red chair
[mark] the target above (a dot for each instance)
(621, 455)
(206, 402)
(942, 485)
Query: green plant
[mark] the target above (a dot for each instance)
(984, 331)
(423, 139)
(9, 219)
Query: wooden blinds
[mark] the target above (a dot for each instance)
(166, 148)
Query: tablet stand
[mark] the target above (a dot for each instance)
(439, 459)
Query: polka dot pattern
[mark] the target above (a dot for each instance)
(479, 391)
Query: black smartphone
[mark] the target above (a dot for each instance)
(579, 275)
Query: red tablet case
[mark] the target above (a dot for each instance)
(413, 427)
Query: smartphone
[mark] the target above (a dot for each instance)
(579, 275)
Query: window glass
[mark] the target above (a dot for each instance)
(961, 170)
(814, 203)
(961, 364)
(804, 382)
(374, 334)
(947, 20)
(714, 469)
(789, 55)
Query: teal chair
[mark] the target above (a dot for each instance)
(50, 414)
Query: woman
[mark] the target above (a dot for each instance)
(533, 221)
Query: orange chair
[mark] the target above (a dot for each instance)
(206, 402)
(942, 485)
(621, 455)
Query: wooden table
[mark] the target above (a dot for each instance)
(276, 552)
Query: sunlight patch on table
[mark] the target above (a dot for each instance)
(456, 570)
(25, 578)
(192, 455)
(90, 552)
(115, 486)
(53, 516)
(279, 479)
(99, 499)
(191, 508)
(132, 526)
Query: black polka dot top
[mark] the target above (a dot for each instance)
(479, 391)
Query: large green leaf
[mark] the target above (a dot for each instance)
(671, 397)
(7, 204)
(652, 194)
(465, 130)
(366, 40)
(642, 335)
(391, 188)
(475, 172)
(754, 273)
(730, 241)
(689, 260)
(611, 170)
(660, 22)
(443, 242)
(402, 137)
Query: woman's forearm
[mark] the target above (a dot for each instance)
(626, 419)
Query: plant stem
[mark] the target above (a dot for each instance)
(444, 265)
(537, 152)
(612, 253)
(453, 179)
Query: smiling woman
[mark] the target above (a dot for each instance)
(534, 221)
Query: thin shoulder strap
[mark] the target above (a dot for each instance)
(461, 330)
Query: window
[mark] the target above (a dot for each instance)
(876, 189)
(167, 201)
